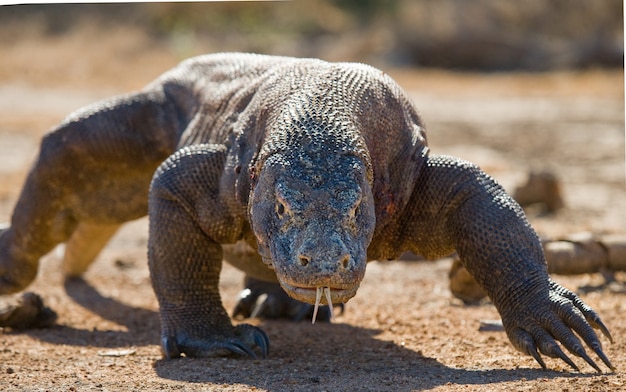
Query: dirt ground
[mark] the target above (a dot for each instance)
(403, 331)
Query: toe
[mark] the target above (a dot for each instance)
(524, 342)
(253, 338)
(247, 341)
(169, 347)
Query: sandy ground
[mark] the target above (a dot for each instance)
(403, 331)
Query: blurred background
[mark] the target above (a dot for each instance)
(483, 35)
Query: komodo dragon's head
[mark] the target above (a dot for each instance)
(312, 211)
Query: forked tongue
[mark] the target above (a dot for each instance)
(318, 298)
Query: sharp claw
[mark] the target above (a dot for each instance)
(169, 347)
(241, 349)
(580, 351)
(598, 350)
(589, 314)
(594, 320)
(566, 359)
(533, 351)
(525, 343)
(590, 362)
(584, 328)
(549, 347)
(597, 323)
(249, 336)
(261, 340)
(571, 343)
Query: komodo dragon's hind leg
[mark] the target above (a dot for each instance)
(92, 174)
(84, 246)
(267, 300)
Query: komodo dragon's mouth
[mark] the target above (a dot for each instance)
(319, 295)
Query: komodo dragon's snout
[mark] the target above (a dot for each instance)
(313, 224)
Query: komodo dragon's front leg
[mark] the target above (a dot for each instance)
(189, 219)
(92, 174)
(457, 206)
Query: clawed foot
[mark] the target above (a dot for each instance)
(248, 341)
(25, 311)
(537, 327)
(267, 300)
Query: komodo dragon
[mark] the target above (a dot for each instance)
(320, 166)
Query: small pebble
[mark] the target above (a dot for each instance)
(490, 325)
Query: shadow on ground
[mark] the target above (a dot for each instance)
(317, 357)
(142, 325)
(313, 366)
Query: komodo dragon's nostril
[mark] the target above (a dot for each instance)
(304, 260)
(345, 261)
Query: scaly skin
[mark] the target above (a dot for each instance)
(321, 167)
